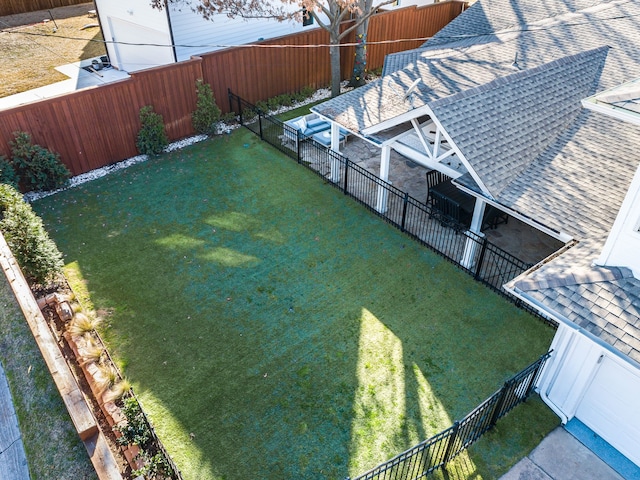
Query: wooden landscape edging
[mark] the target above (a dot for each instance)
(81, 415)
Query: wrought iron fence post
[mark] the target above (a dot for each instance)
(483, 249)
(404, 210)
(496, 411)
(298, 142)
(230, 97)
(347, 165)
(534, 375)
(452, 440)
(260, 123)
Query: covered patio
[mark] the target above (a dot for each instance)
(516, 237)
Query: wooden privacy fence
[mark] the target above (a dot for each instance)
(11, 7)
(97, 126)
(262, 72)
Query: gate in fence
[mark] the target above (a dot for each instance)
(435, 452)
(487, 262)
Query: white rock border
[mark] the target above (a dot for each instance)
(29, 197)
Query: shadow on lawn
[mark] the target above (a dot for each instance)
(274, 335)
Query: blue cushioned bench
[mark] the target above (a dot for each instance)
(304, 127)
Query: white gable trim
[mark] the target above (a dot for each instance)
(452, 144)
(392, 122)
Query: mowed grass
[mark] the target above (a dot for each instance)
(54, 449)
(275, 329)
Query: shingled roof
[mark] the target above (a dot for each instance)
(505, 80)
(503, 126)
(603, 301)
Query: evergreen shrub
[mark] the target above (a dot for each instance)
(206, 116)
(37, 255)
(152, 138)
(36, 168)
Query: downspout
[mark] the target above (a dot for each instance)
(544, 394)
(173, 41)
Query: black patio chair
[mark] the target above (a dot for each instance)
(434, 177)
(493, 217)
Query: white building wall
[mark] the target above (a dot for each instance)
(193, 35)
(127, 25)
(622, 248)
(408, 3)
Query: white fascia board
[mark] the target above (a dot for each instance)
(462, 158)
(561, 236)
(357, 134)
(623, 114)
(392, 122)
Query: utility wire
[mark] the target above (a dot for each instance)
(325, 45)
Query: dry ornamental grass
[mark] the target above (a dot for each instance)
(32, 48)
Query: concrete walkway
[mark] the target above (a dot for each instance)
(13, 461)
(560, 456)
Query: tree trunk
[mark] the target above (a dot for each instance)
(360, 61)
(334, 52)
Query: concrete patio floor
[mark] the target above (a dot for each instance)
(519, 239)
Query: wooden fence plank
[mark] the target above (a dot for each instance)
(98, 126)
(12, 7)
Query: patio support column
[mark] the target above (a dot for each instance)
(381, 205)
(471, 245)
(335, 146)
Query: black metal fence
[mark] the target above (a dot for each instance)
(485, 261)
(434, 453)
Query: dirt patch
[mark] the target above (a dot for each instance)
(33, 44)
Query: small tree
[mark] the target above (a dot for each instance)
(152, 138)
(207, 114)
(335, 12)
(37, 255)
(36, 167)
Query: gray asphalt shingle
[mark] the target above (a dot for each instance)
(528, 139)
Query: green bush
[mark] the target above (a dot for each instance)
(262, 106)
(273, 103)
(136, 432)
(7, 173)
(307, 91)
(206, 116)
(37, 255)
(36, 167)
(284, 100)
(152, 138)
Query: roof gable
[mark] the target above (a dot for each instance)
(502, 126)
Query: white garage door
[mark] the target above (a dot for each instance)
(611, 407)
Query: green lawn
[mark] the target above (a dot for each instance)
(54, 449)
(273, 328)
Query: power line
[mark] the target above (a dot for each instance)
(244, 45)
(326, 45)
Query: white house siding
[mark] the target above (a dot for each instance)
(590, 382)
(623, 245)
(130, 24)
(193, 35)
(408, 3)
